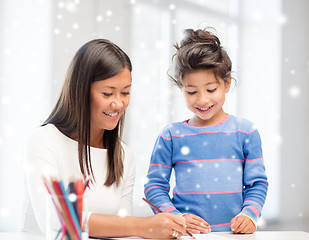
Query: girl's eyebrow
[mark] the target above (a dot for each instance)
(190, 85)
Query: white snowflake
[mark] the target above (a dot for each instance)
(198, 185)
(215, 206)
(122, 212)
(189, 170)
(75, 26)
(282, 19)
(216, 179)
(4, 212)
(72, 197)
(6, 100)
(99, 18)
(187, 208)
(185, 150)
(56, 31)
(144, 180)
(239, 169)
(109, 13)
(294, 91)
(229, 178)
(172, 7)
(217, 165)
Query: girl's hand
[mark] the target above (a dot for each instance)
(164, 225)
(196, 224)
(242, 224)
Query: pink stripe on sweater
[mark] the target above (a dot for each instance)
(169, 209)
(256, 159)
(207, 192)
(165, 204)
(218, 225)
(193, 134)
(158, 164)
(155, 187)
(257, 213)
(212, 160)
(254, 202)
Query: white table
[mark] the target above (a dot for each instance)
(259, 235)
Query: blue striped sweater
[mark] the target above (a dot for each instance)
(219, 171)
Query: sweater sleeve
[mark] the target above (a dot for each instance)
(254, 179)
(157, 188)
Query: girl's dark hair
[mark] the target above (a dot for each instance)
(96, 60)
(200, 49)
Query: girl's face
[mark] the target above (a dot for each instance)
(108, 100)
(205, 96)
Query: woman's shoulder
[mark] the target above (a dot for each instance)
(44, 133)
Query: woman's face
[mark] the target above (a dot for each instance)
(108, 100)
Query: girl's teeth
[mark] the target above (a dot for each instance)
(204, 109)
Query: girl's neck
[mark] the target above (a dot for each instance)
(215, 120)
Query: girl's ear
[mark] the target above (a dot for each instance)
(228, 85)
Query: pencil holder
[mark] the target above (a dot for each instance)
(66, 214)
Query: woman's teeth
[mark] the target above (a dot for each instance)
(111, 114)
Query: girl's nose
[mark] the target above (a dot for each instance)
(203, 99)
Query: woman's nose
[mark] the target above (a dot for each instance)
(117, 103)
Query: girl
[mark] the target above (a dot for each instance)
(82, 138)
(217, 158)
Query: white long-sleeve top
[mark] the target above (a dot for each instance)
(48, 153)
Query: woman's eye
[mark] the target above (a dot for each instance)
(212, 90)
(191, 93)
(125, 93)
(107, 94)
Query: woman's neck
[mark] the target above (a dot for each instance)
(96, 138)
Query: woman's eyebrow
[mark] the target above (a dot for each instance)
(111, 87)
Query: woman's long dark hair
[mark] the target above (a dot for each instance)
(96, 60)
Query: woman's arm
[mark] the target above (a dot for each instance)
(161, 225)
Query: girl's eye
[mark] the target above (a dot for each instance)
(212, 90)
(191, 93)
(125, 93)
(107, 94)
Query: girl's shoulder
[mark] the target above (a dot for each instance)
(242, 124)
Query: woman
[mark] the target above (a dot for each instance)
(82, 138)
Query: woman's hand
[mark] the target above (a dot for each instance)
(242, 224)
(196, 224)
(163, 225)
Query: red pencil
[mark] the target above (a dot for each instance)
(157, 209)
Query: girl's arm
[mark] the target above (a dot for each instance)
(161, 225)
(157, 188)
(255, 179)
